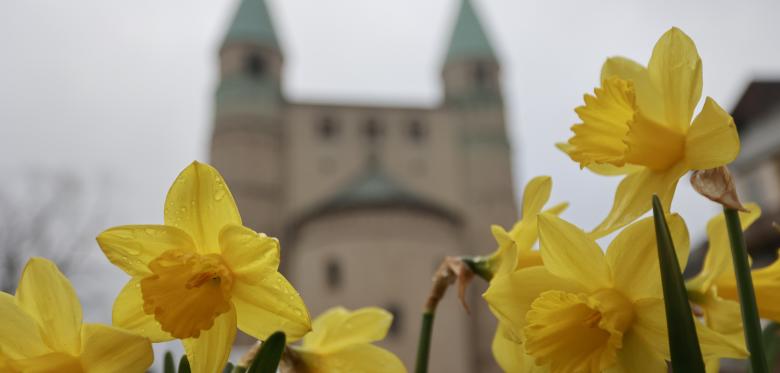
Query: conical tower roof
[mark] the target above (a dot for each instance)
(468, 37)
(252, 23)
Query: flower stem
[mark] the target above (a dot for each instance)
(747, 296)
(424, 345)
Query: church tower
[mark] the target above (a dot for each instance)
(247, 140)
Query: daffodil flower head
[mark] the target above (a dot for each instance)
(42, 330)
(714, 289)
(587, 311)
(640, 123)
(341, 341)
(202, 274)
(515, 246)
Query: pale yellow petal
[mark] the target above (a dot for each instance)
(676, 71)
(107, 349)
(637, 357)
(209, 353)
(650, 326)
(535, 195)
(718, 345)
(648, 98)
(634, 194)
(510, 355)
(361, 358)
(568, 252)
(503, 259)
(337, 328)
(199, 202)
(266, 302)
(132, 247)
(633, 256)
(510, 295)
(46, 295)
(766, 282)
(717, 261)
(722, 315)
(246, 252)
(20, 335)
(712, 140)
(128, 313)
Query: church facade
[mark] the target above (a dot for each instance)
(367, 200)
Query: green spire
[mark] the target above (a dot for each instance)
(252, 23)
(468, 37)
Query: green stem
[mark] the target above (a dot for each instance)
(424, 345)
(747, 296)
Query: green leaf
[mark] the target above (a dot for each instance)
(169, 366)
(771, 337)
(683, 341)
(267, 359)
(184, 365)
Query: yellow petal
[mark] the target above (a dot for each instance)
(132, 247)
(675, 70)
(766, 282)
(53, 362)
(511, 356)
(634, 196)
(128, 313)
(510, 295)
(266, 302)
(503, 259)
(107, 349)
(199, 202)
(535, 195)
(653, 145)
(633, 256)
(712, 140)
(603, 169)
(361, 358)
(46, 295)
(337, 328)
(637, 357)
(647, 96)
(19, 333)
(246, 252)
(209, 352)
(717, 261)
(714, 344)
(722, 315)
(650, 326)
(569, 253)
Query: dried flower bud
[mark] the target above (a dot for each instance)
(450, 270)
(717, 185)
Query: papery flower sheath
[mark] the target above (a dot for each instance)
(640, 123)
(201, 274)
(586, 311)
(41, 330)
(341, 341)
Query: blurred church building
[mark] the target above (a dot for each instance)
(367, 200)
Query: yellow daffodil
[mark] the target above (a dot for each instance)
(586, 311)
(340, 341)
(201, 274)
(42, 330)
(515, 251)
(714, 289)
(638, 123)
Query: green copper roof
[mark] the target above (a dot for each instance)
(252, 22)
(372, 186)
(468, 37)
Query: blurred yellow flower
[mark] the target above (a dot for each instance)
(714, 289)
(515, 251)
(515, 246)
(340, 341)
(42, 330)
(586, 311)
(202, 274)
(638, 123)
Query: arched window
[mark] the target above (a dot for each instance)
(373, 130)
(327, 128)
(417, 131)
(397, 324)
(255, 65)
(333, 274)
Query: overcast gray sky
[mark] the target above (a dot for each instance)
(125, 87)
